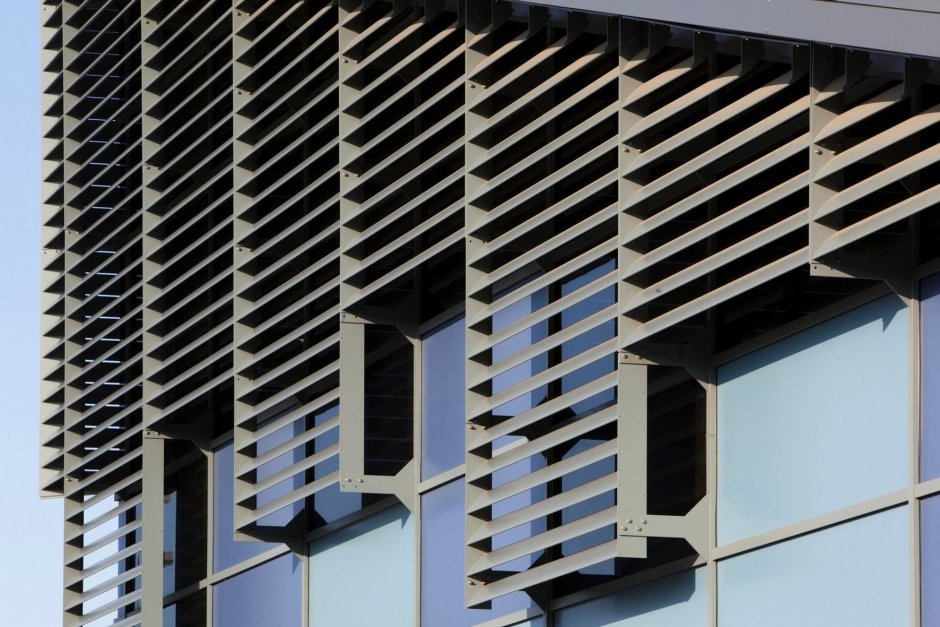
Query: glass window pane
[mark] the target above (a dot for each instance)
(838, 391)
(364, 574)
(515, 343)
(388, 401)
(226, 550)
(930, 378)
(443, 398)
(331, 504)
(591, 506)
(516, 502)
(442, 563)
(282, 462)
(269, 594)
(856, 573)
(680, 599)
(589, 339)
(930, 560)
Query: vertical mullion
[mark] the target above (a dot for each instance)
(914, 433)
(241, 255)
(475, 22)
(632, 378)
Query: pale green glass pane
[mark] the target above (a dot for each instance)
(856, 574)
(364, 575)
(680, 599)
(815, 422)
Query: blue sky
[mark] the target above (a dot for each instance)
(30, 529)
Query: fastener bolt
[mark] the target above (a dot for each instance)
(818, 151)
(639, 528)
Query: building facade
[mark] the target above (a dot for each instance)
(445, 313)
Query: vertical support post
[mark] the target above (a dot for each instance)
(241, 255)
(152, 479)
(478, 19)
(73, 510)
(636, 48)
(351, 398)
(631, 457)
(914, 530)
(151, 603)
(347, 150)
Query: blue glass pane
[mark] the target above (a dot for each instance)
(443, 398)
(516, 502)
(169, 542)
(442, 563)
(331, 504)
(269, 594)
(930, 561)
(680, 600)
(856, 574)
(591, 506)
(930, 378)
(589, 339)
(520, 341)
(226, 550)
(838, 391)
(282, 462)
(364, 574)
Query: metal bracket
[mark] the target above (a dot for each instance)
(893, 267)
(693, 356)
(693, 527)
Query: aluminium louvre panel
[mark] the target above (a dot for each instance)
(187, 117)
(541, 129)
(101, 291)
(876, 146)
(286, 199)
(52, 426)
(713, 173)
(401, 131)
(401, 139)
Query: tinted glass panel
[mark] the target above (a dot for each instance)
(364, 574)
(331, 504)
(515, 343)
(588, 507)
(226, 550)
(930, 378)
(389, 399)
(442, 563)
(589, 339)
(282, 462)
(856, 573)
(680, 599)
(269, 594)
(838, 391)
(443, 398)
(930, 560)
